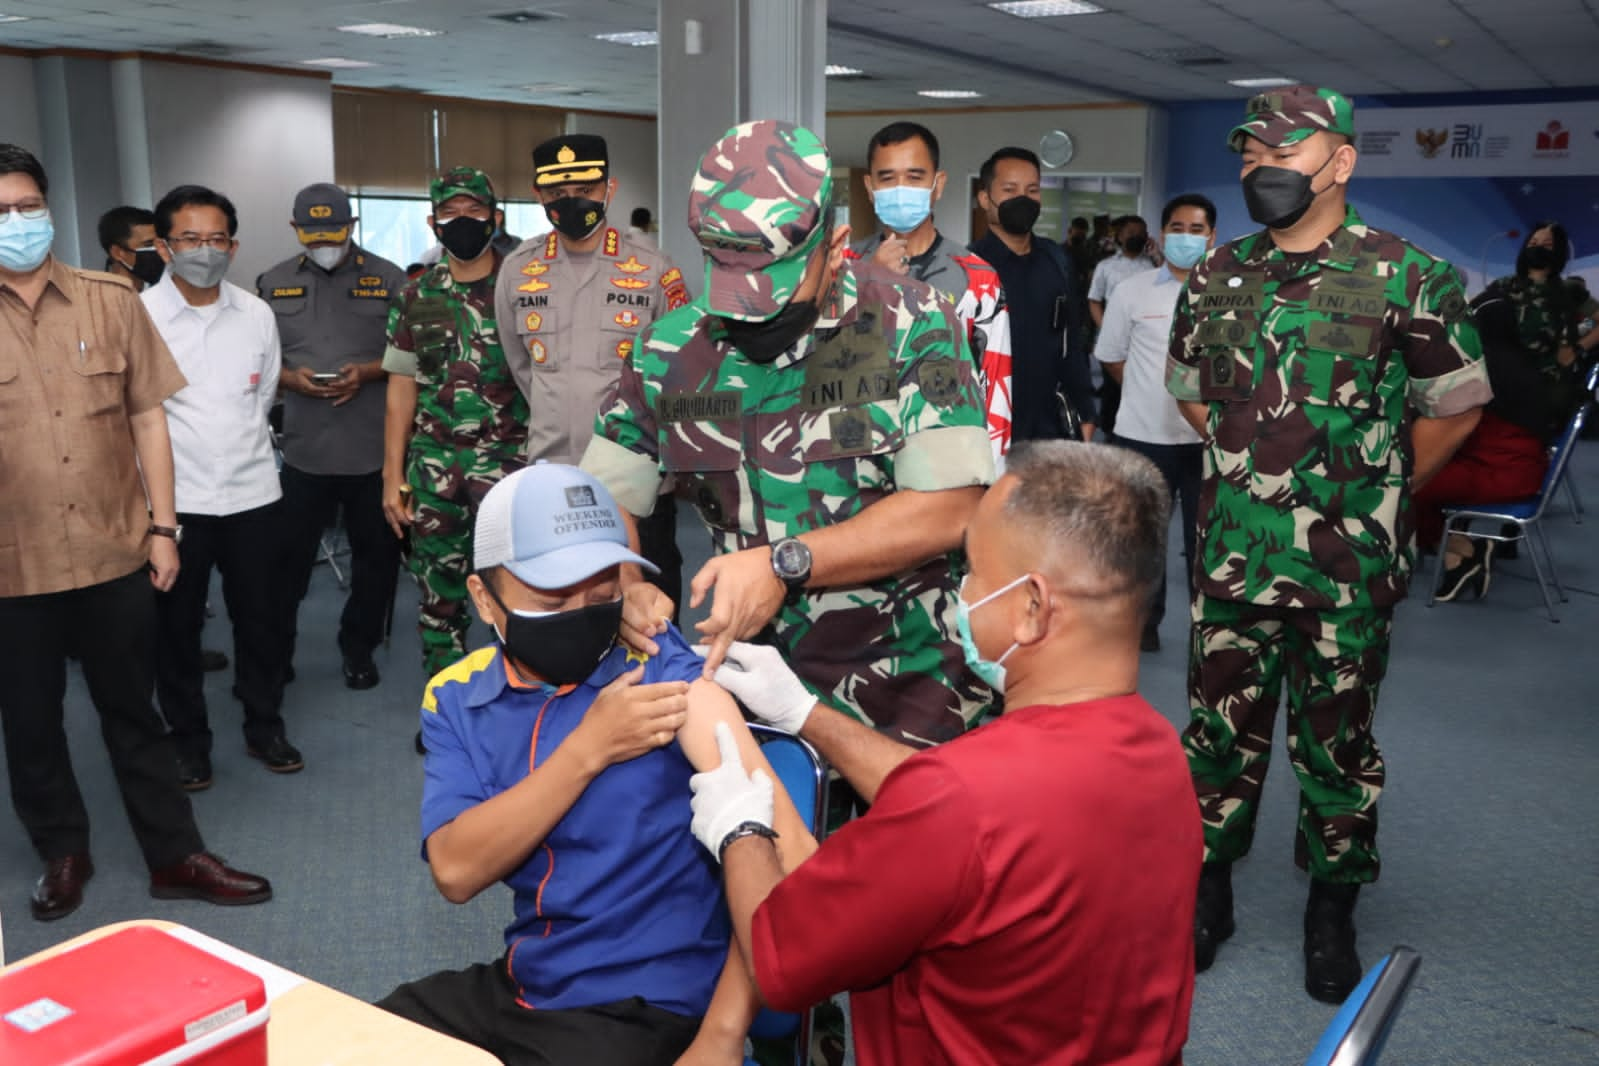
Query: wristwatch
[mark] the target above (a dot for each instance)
(791, 562)
(175, 532)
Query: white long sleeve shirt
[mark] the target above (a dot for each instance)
(221, 443)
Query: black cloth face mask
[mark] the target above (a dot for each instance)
(762, 342)
(1277, 197)
(1537, 257)
(1018, 215)
(466, 238)
(575, 217)
(148, 266)
(1135, 245)
(563, 647)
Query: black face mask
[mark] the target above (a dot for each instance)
(466, 238)
(562, 648)
(1537, 257)
(1277, 197)
(1018, 214)
(147, 266)
(1135, 244)
(761, 342)
(575, 217)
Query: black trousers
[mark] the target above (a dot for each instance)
(1182, 465)
(246, 548)
(111, 627)
(479, 1005)
(657, 537)
(309, 503)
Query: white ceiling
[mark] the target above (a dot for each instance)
(1359, 46)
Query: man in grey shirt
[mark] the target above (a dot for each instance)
(331, 303)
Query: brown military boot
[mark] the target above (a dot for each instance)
(1332, 968)
(1213, 912)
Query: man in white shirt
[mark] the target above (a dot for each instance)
(225, 341)
(1132, 346)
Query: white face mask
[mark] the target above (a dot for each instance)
(329, 256)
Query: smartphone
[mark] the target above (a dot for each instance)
(327, 378)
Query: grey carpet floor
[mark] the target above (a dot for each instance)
(1487, 721)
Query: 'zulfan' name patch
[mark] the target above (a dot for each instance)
(285, 294)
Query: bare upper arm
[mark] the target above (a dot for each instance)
(709, 703)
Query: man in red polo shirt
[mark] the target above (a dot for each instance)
(1024, 893)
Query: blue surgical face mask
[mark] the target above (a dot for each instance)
(25, 242)
(990, 672)
(1183, 250)
(903, 207)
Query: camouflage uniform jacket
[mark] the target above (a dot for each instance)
(880, 397)
(1312, 365)
(1545, 319)
(443, 333)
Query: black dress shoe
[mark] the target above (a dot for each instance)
(279, 755)
(194, 772)
(360, 672)
(60, 891)
(205, 877)
(1213, 913)
(213, 661)
(1332, 967)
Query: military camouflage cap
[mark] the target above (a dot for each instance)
(462, 181)
(1289, 115)
(761, 203)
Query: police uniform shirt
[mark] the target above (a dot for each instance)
(328, 320)
(568, 321)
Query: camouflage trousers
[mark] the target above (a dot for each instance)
(448, 485)
(1240, 657)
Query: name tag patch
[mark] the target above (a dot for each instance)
(287, 293)
(699, 406)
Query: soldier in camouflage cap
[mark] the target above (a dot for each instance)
(456, 421)
(820, 416)
(1330, 367)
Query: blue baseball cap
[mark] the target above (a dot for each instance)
(551, 525)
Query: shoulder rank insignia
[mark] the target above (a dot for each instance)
(613, 242)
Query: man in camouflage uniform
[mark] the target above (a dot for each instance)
(829, 428)
(571, 303)
(456, 422)
(1330, 367)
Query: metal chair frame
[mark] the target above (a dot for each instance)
(1528, 524)
(1359, 1031)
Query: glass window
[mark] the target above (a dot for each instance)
(396, 227)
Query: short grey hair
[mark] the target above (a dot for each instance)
(1100, 513)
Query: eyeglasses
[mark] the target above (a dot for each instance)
(190, 241)
(32, 210)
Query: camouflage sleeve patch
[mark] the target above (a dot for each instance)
(399, 361)
(1182, 380)
(1182, 321)
(1442, 337)
(947, 458)
(634, 479)
(938, 388)
(1453, 393)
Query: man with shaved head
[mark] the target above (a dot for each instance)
(1024, 893)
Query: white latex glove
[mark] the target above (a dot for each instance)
(727, 797)
(758, 678)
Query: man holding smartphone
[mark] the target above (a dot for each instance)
(332, 301)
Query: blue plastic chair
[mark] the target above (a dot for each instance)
(1592, 385)
(800, 771)
(1358, 1032)
(1525, 515)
